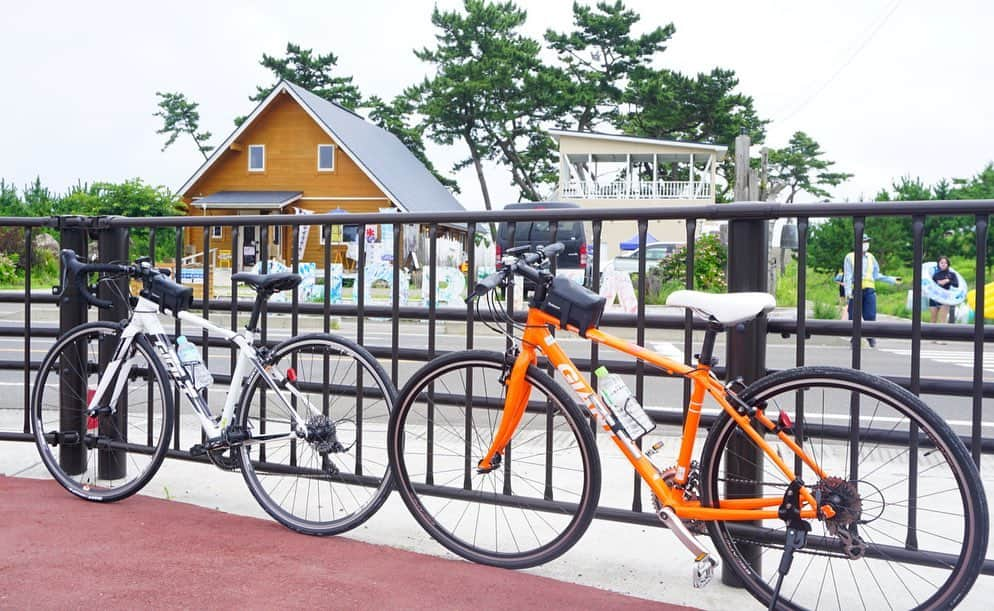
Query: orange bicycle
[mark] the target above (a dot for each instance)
(821, 487)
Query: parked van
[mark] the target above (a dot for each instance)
(577, 253)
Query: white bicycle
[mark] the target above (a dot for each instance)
(304, 421)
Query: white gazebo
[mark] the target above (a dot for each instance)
(614, 171)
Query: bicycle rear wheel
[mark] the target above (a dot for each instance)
(899, 479)
(338, 476)
(113, 453)
(530, 509)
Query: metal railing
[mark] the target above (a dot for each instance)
(640, 189)
(746, 219)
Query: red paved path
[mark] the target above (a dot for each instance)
(59, 551)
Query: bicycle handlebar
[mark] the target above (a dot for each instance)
(524, 266)
(76, 267)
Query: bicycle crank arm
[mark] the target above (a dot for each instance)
(705, 560)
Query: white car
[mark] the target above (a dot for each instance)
(654, 253)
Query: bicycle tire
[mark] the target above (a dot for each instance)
(542, 500)
(927, 558)
(98, 459)
(306, 489)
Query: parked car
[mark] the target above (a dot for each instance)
(654, 253)
(538, 233)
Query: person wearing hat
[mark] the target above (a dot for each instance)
(871, 273)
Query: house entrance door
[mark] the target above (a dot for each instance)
(250, 244)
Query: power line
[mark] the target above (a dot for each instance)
(873, 32)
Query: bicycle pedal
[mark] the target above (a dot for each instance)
(198, 450)
(703, 571)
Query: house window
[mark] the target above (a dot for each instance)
(326, 158)
(257, 157)
(216, 232)
(341, 233)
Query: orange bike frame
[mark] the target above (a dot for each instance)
(538, 338)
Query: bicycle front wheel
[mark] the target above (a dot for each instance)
(337, 476)
(911, 525)
(111, 453)
(530, 509)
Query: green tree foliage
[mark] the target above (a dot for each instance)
(492, 93)
(963, 237)
(705, 108)
(598, 55)
(180, 116)
(800, 166)
(10, 203)
(828, 243)
(312, 71)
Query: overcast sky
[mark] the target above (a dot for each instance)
(887, 87)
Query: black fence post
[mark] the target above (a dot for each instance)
(113, 247)
(72, 385)
(746, 359)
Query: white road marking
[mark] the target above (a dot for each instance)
(960, 358)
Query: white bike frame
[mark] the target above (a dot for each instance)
(145, 321)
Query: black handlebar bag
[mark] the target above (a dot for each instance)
(573, 305)
(168, 294)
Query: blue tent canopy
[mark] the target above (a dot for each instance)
(632, 243)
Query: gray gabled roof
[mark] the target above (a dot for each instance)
(376, 151)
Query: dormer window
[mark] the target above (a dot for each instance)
(326, 158)
(257, 158)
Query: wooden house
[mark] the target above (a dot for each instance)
(299, 153)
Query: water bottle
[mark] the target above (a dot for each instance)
(623, 405)
(189, 356)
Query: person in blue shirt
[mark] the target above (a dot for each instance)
(868, 292)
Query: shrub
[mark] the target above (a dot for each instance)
(826, 311)
(710, 261)
(8, 268)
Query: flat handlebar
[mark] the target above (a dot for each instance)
(524, 266)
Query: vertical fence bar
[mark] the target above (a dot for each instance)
(748, 249)
(398, 261)
(295, 268)
(918, 248)
(178, 330)
(429, 275)
(359, 284)
(595, 280)
(643, 231)
(28, 252)
(688, 316)
(235, 259)
(206, 284)
(856, 309)
(978, 337)
(859, 224)
(802, 319)
(468, 398)
(326, 253)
